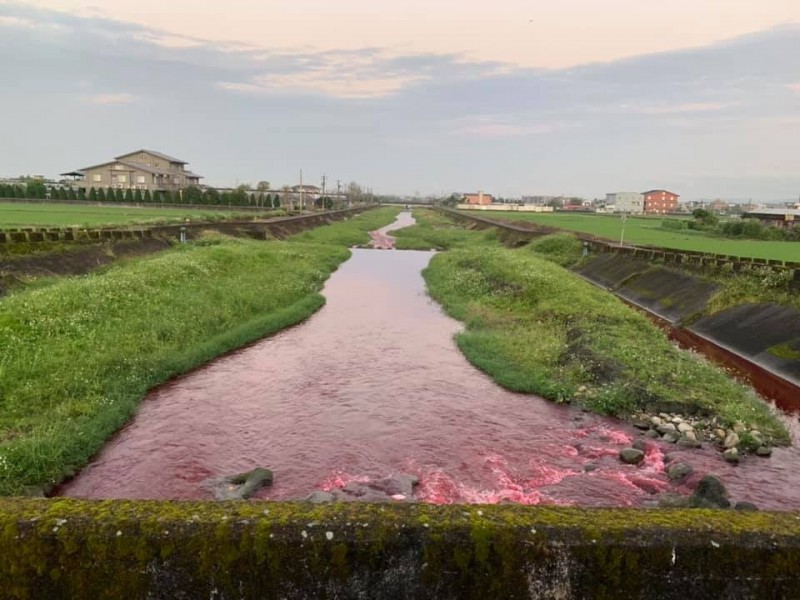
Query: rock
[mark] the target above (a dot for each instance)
(656, 421)
(749, 506)
(690, 435)
(679, 471)
(685, 427)
(673, 501)
(241, 486)
(589, 467)
(686, 442)
(764, 451)
(710, 493)
(641, 425)
(320, 497)
(399, 488)
(739, 427)
(631, 456)
(640, 445)
(731, 455)
(671, 437)
(652, 434)
(676, 420)
(720, 433)
(666, 428)
(731, 440)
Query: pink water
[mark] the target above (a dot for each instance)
(373, 385)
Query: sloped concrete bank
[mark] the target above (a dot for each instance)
(75, 549)
(762, 339)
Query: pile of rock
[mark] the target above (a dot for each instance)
(692, 432)
(399, 488)
(241, 486)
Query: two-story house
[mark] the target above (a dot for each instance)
(140, 170)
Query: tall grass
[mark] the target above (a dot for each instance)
(77, 356)
(536, 328)
(436, 231)
(352, 232)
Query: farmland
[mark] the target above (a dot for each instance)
(67, 215)
(648, 231)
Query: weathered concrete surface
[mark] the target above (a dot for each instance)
(767, 335)
(674, 295)
(74, 549)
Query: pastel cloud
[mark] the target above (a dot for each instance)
(108, 99)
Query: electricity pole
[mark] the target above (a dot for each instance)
(339, 193)
(324, 179)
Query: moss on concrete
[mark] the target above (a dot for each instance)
(68, 548)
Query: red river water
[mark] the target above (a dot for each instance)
(373, 385)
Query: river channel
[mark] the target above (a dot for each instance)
(373, 385)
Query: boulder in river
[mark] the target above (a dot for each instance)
(679, 471)
(398, 488)
(710, 493)
(631, 456)
(241, 486)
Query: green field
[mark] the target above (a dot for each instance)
(17, 215)
(647, 231)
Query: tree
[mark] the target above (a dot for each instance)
(276, 202)
(128, 196)
(704, 218)
(262, 186)
(137, 196)
(93, 195)
(35, 189)
(110, 195)
(193, 195)
(211, 196)
(81, 194)
(71, 195)
(147, 196)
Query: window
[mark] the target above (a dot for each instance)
(97, 177)
(140, 179)
(122, 178)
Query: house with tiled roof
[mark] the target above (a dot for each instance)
(139, 170)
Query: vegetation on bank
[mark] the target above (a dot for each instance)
(536, 328)
(752, 229)
(435, 231)
(354, 231)
(78, 355)
(16, 215)
(649, 231)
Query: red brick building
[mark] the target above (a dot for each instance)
(660, 202)
(479, 198)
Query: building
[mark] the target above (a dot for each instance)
(140, 170)
(784, 218)
(626, 202)
(660, 202)
(480, 198)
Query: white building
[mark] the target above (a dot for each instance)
(626, 202)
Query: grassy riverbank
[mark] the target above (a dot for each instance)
(534, 327)
(77, 356)
(352, 232)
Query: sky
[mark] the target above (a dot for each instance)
(512, 97)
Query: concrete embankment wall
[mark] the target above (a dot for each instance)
(73, 549)
(768, 335)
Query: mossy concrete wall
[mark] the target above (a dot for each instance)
(76, 549)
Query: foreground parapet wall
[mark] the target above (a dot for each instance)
(76, 549)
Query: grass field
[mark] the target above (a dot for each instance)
(648, 231)
(64, 215)
(77, 355)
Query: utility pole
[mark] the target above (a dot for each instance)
(302, 200)
(339, 193)
(324, 179)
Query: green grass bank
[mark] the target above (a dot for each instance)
(648, 231)
(17, 215)
(535, 327)
(78, 355)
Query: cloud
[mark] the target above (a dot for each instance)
(108, 99)
(671, 109)
(795, 87)
(493, 127)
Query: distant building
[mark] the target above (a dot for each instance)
(139, 170)
(784, 218)
(626, 202)
(660, 202)
(719, 206)
(480, 198)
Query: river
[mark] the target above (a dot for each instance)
(373, 385)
